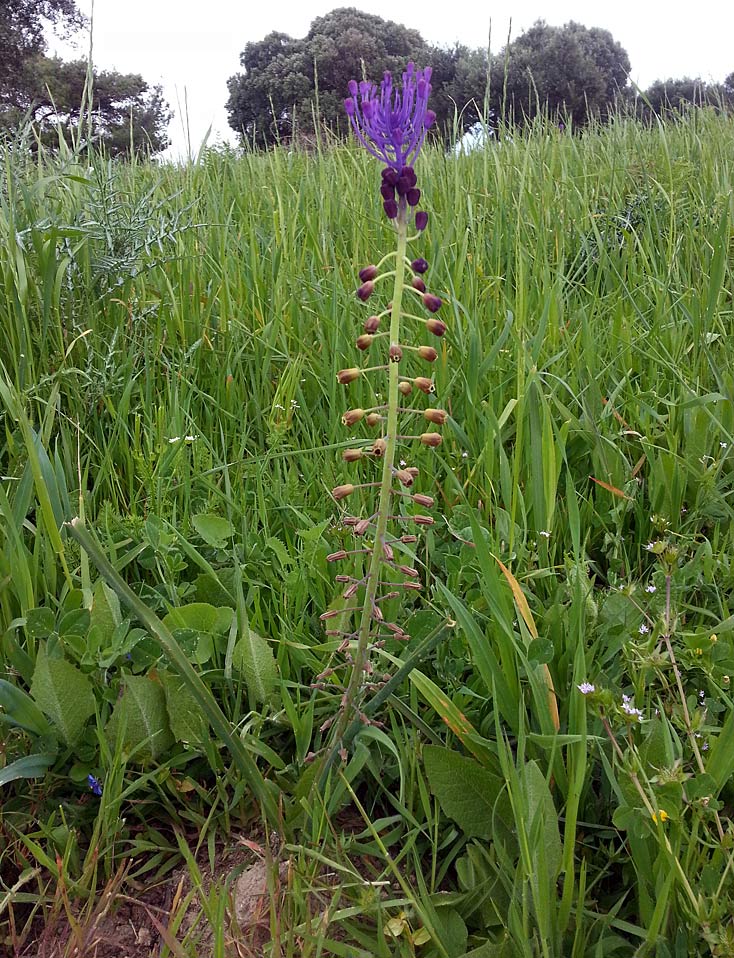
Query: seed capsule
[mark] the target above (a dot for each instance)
(421, 220)
(417, 283)
(425, 385)
(405, 388)
(421, 500)
(366, 290)
(364, 341)
(437, 416)
(409, 571)
(436, 326)
(428, 352)
(341, 492)
(431, 302)
(419, 265)
(379, 447)
(431, 439)
(396, 353)
(371, 324)
(404, 478)
(352, 455)
(423, 520)
(345, 376)
(352, 416)
(373, 419)
(336, 556)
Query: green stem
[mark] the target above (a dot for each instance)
(359, 656)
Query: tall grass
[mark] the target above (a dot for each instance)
(172, 335)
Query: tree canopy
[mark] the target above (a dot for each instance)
(127, 114)
(571, 71)
(289, 84)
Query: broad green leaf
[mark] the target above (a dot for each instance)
(467, 793)
(29, 766)
(19, 710)
(720, 761)
(199, 616)
(542, 818)
(254, 658)
(63, 693)
(185, 717)
(39, 623)
(141, 718)
(213, 529)
(105, 614)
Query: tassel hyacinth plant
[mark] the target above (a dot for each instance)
(391, 123)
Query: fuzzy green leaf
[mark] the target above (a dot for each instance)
(467, 793)
(186, 719)
(254, 658)
(213, 529)
(141, 718)
(63, 693)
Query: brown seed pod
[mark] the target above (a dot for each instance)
(424, 384)
(428, 353)
(352, 416)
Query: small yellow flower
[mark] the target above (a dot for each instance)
(661, 816)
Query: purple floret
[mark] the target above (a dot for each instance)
(391, 122)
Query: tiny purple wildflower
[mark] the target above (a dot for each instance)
(95, 785)
(644, 629)
(650, 588)
(586, 688)
(391, 122)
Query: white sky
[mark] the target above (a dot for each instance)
(191, 48)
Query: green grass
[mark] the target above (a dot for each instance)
(587, 372)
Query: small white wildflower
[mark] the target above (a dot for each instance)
(704, 747)
(724, 445)
(630, 709)
(278, 406)
(643, 630)
(701, 694)
(650, 546)
(403, 463)
(294, 404)
(586, 688)
(465, 454)
(650, 588)
(175, 439)
(190, 438)
(544, 533)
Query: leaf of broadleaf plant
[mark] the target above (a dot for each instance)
(467, 793)
(105, 614)
(63, 693)
(543, 816)
(184, 712)
(253, 657)
(140, 716)
(213, 529)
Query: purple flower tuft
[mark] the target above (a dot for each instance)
(95, 785)
(391, 122)
(421, 220)
(419, 265)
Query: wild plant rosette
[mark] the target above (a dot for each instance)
(391, 123)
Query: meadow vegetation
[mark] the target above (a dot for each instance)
(170, 342)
